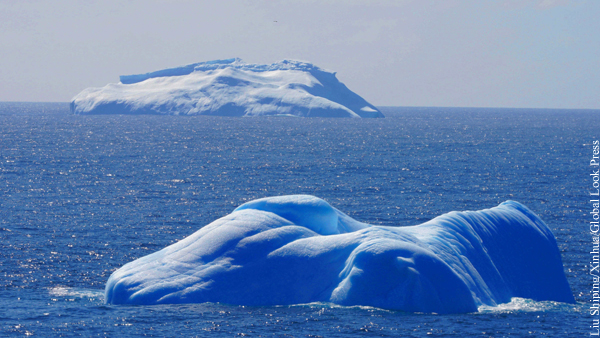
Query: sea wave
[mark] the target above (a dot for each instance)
(528, 305)
(64, 291)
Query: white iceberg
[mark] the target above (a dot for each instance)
(228, 88)
(298, 249)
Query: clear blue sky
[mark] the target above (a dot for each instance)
(462, 53)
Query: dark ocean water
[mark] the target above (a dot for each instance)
(82, 195)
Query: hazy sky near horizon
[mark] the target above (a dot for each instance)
(460, 53)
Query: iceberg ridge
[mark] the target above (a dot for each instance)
(298, 249)
(228, 87)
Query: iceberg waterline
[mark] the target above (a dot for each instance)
(228, 88)
(299, 249)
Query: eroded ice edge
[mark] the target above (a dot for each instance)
(299, 249)
(228, 88)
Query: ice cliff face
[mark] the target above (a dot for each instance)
(299, 249)
(228, 88)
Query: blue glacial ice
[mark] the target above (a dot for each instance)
(228, 88)
(298, 249)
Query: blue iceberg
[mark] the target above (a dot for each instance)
(228, 88)
(298, 249)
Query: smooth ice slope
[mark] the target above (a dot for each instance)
(299, 249)
(230, 88)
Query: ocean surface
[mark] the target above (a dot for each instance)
(82, 195)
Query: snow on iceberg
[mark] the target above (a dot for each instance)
(298, 249)
(228, 88)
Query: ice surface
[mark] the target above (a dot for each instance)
(230, 88)
(299, 249)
